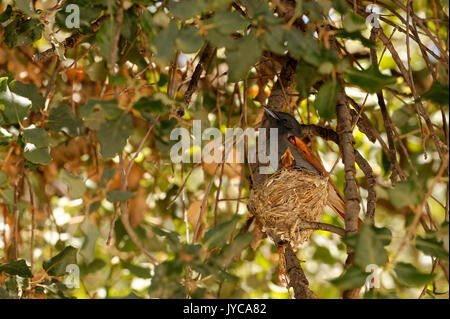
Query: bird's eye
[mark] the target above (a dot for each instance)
(285, 123)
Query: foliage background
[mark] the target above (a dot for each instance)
(78, 106)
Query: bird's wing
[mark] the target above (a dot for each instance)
(304, 150)
(335, 199)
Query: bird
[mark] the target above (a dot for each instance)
(294, 153)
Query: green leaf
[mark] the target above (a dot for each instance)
(36, 136)
(97, 71)
(246, 54)
(306, 75)
(62, 119)
(327, 98)
(118, 196)
(323, 254)
(117, 80)
(239, 243)
(149, 104)
(405, 193)
(95, 113)
(385, 163)
(226, 22)
(5, 15)
(352, 278)
(353, 22)
(17, 268)
(108, 173)
(25, 6)
(314, 9)
(7, 196)
(340, 6)
(13, 107)
(219, 40)
(438, 93)
(164, 42)
(383, 234)
(75, 184)
(113, 135)
(187, 8)
(105, 38)
(94, 207)
(274, 39)
(305, 46)
(56, 266)
(432, 247)
(23, 32)
(4, 179)
(31, 92)
(370, 80)
(408, 275)
(92, 267)
(217, 236)
(129, 25)
(189, 40)
(138, 271)
(341, 33)
(369, 246)
(37, 155)
(36, 148)
(91, 234)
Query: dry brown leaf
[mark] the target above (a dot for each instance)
(134, 178)
(232, 169)
(137, 207)
(193, 215)
(258, 235)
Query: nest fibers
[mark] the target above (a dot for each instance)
(287, 198)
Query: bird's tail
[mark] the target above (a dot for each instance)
(336, 202)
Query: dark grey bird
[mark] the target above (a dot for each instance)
(288, 128)
(289, 137)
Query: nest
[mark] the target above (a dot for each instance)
(285, 200)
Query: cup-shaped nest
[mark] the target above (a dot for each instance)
(287, 198)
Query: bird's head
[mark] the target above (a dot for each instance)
(287, 124)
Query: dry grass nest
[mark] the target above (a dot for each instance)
(287, 198)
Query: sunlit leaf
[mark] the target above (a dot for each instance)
(113, 135)
(234, 248)
(19, 268)
(31, 92)
(62, 119)
(243, 57)
(13, 107)
(118, 196)
(219, 235)
(370, 80)
(327, 98)
(56, 266)
(408, 275)
(438, 93)
(352, 278)
(75, 184)
(368, 245)
(91, 234)
(432, 247)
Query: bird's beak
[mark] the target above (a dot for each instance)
(270, 113)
